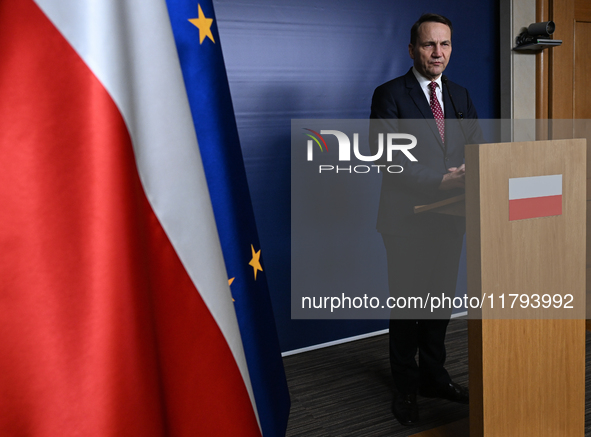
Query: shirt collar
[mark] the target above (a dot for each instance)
(424, 82)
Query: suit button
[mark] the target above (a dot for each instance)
(446, 159)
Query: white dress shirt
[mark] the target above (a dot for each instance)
(424, 82)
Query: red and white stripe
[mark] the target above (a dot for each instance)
(537, 196)
(115, 316)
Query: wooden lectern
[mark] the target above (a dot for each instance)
(527, 363)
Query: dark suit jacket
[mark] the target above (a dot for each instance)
(401, 106)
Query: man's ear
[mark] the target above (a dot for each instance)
(411, 51)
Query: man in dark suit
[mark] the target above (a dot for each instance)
(423, 250)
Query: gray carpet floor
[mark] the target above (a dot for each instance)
(345, 390)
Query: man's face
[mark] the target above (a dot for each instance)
(432, 50)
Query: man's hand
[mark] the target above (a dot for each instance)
(454, 179)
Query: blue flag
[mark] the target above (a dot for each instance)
(198, 44)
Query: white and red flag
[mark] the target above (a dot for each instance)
(116, 318)
(536, 196)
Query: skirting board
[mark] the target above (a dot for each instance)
(349, 339)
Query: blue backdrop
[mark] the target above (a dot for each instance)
(323, 59)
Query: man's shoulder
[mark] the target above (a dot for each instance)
(397, 83)
(453, 86)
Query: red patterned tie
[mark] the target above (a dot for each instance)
(436, 109)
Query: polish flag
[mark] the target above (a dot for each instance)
(537, 196)
(116, 318)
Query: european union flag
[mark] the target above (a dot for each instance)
(198, 45)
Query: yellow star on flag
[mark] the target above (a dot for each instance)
(255, 261)
(230, 283)
(204, 25)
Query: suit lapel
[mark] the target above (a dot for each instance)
(418, 96)
(451, 121)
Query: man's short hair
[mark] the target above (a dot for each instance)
(435, 18)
